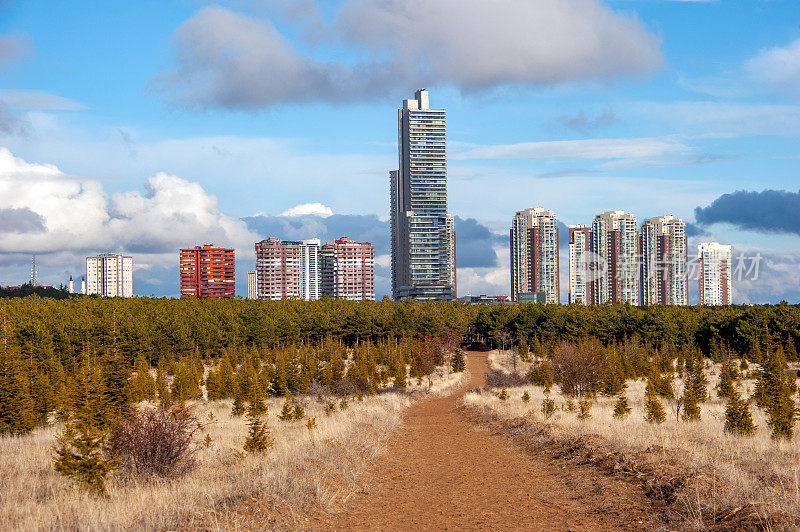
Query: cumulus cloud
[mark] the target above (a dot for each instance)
(21, 220)
(229, 59)
(308, 208)
(769, 211)
(474, 244)
(777, 68)
(63, 214)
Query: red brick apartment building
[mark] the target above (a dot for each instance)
(207, 271)
(348, 270)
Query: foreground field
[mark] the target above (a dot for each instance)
(713, 474)
(306, 469)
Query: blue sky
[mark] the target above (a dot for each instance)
(146, 126)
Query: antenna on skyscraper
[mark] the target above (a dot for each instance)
(34, 276)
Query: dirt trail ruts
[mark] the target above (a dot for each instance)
(443, 473)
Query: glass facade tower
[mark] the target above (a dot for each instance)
(423, 236)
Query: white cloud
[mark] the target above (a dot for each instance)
(231, 60)
(38, 101)
(384, 260)
(79, 216)
(777, 68)
(305, 209)
(578, 149)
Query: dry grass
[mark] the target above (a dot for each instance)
(317, 469)
(754, 471)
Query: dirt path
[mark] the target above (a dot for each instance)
(442, 473)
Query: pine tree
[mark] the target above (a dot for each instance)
(161, 385)
(548, 407)
(16, 403)
(696, 379)
(737, 416)
(654, 410)
(287, 411)
(79, 448)
(524, 354)
(773, 394)
(613, 380)
(258, 437)
(526, 397)
(458, 364)
(503, 395)
(541, 375)
(621, 407)
(584, 409)
(727, 377)
(691, 410)
(143, 385)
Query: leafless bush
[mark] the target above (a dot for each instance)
(577, 368)
(156, 440)
(497, 378)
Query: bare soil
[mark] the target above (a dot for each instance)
(445, 472)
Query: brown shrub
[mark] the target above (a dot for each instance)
(577, 368)
(155, 440)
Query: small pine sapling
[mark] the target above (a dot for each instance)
(526, 397)
(330, 408)
(737, 417)
(621, 407)
(571, 406)
(343, 404)
(548, 407)
(503, 395)
(298, 412)
(287, 411)
(691, 409)
(584, 409)
(654, 410)
(311, 424)
(258, 437)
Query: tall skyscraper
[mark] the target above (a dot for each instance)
(714, 261)
(423, 236)
(580, 259)
(615, 248)
(207, 271)
(534, 254)
(288, 269)
(348, 270)
(252, 285)
(664, 277)
(109, 275)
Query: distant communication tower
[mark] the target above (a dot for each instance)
(34, 275)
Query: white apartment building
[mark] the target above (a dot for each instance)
(664, 257)
(252, 285)
(714, 261)
(109, 275)
(534, 254)
(615, 246)
(580, 285)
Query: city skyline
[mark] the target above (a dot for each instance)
(144, 155)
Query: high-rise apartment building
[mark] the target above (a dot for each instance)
(207, 271)
(664, 276)
(288, 269)
(423, 235)
(714, 261)
(534, 254)
(348, 270)
(580, 260)
(109, 275)
(615, 249)
(252, 285)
